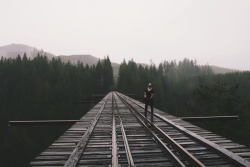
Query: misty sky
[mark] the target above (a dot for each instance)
(214, 32)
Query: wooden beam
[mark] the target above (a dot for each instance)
(42, 122)
(210, 118)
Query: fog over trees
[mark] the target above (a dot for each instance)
(46, 89)
(39, 89)
(187, 89)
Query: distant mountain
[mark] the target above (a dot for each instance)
(13, 50)
(221, 70)
(87, 59)
(74, 59)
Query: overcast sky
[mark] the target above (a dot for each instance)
(214, 32)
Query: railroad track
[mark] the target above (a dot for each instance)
(119, 135)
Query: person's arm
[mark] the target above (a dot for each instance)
(145, 95)
(152, 94)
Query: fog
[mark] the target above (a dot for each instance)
(211, 32)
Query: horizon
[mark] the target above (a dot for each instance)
(157, 65)
(211, 32)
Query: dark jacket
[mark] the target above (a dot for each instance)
(149, 94)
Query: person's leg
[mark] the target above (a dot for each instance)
(146, 109)
(152, 111)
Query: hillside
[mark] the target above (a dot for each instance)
(87, 59)
(74, 59)
(221, 70)
(13, 50)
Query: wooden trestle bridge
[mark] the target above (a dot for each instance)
(115, 133)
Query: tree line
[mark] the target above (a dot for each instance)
(37, 89)
(187, 89)
(46, 89)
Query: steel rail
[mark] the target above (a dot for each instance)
(124, 136)
(234, 158)
(188, 156)
(194, 161)
(114, 142)
(77, 152)
(175, 160)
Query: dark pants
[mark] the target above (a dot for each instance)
(149, 102)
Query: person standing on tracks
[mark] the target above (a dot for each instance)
(148, 98)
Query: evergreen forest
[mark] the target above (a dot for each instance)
(40, 89)
(186, 89)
